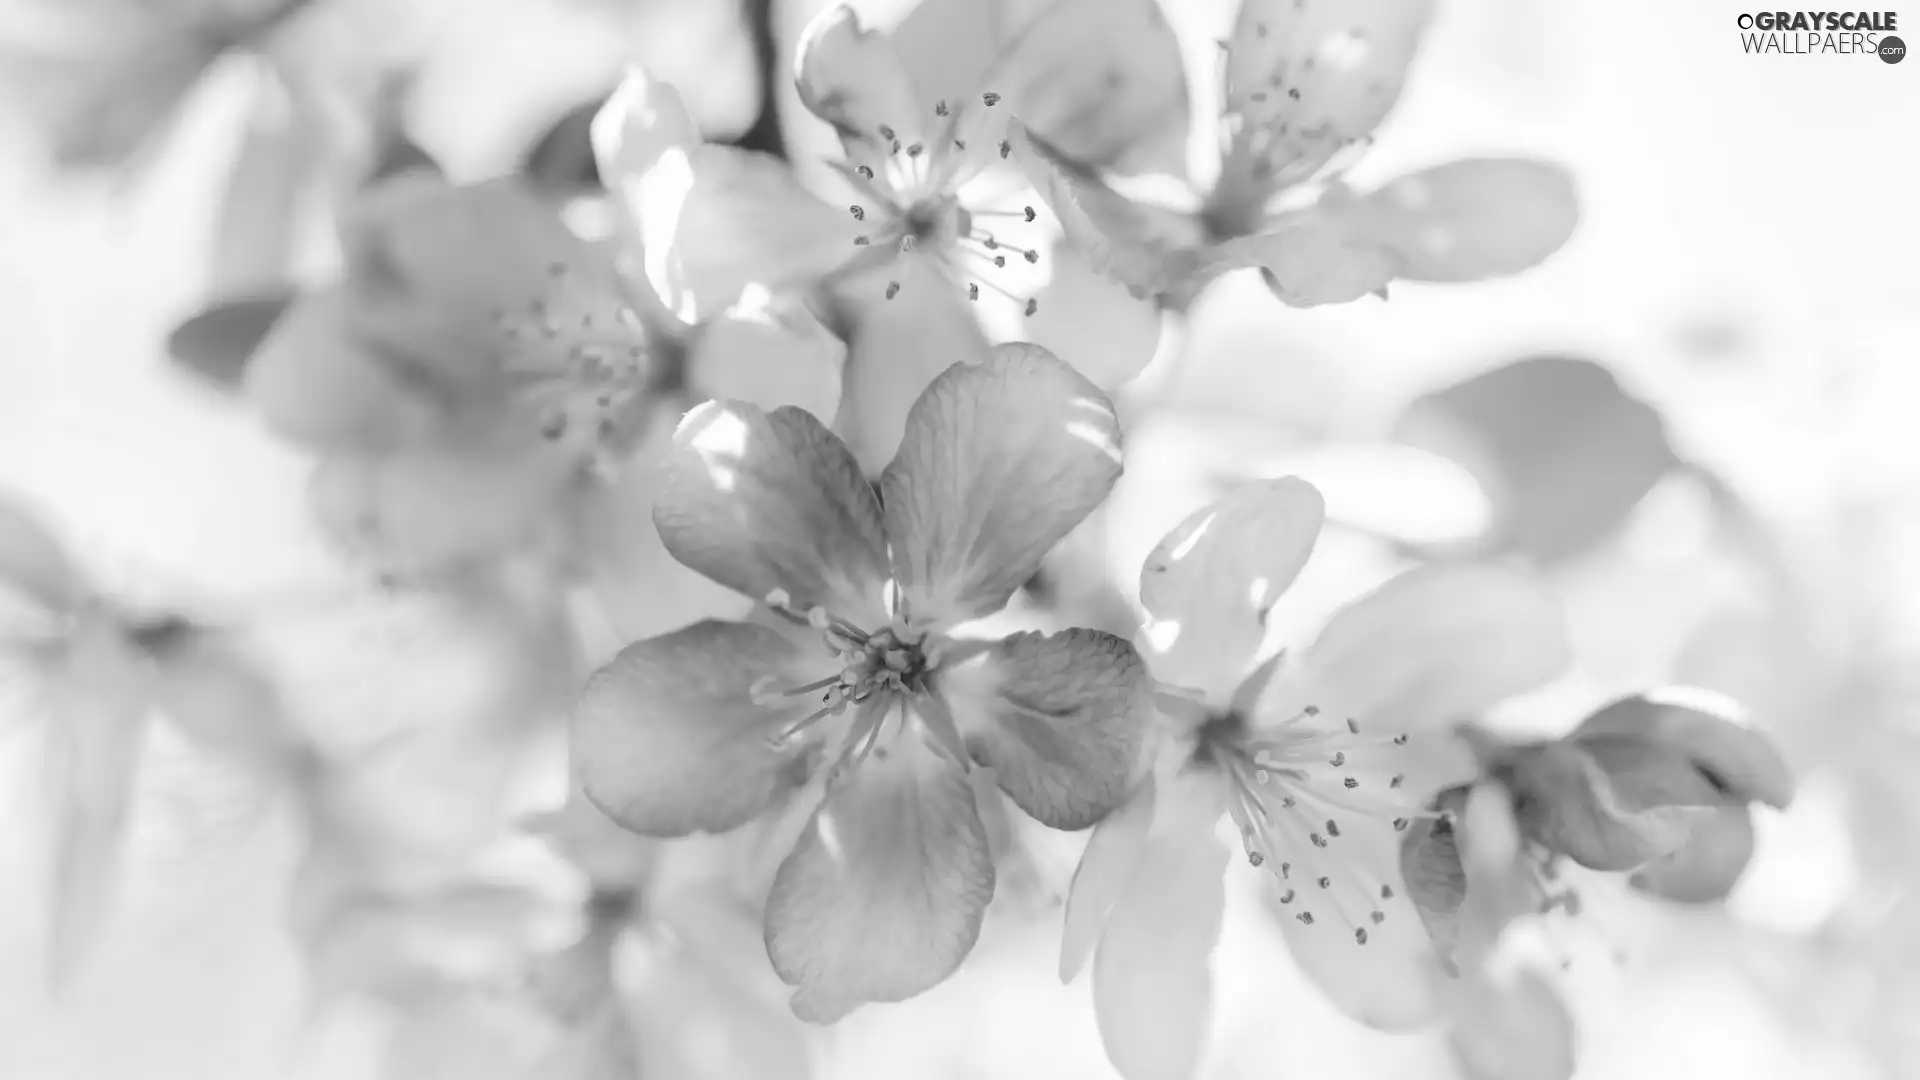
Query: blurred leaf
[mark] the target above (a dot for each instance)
(217, 343)
(562, 159)
(1519, 1030)
(1565, 452)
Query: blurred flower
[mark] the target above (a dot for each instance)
(1315, 759)
(1305, 85)
(484, 382)
(941, 217)
(707, 728)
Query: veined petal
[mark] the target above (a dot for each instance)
(32, 561)
(763, 501)
(999, 461)
(772, 353)
(316, 383)
(1395, 979)
(883, 894)
(1209, 584)
(852, 78)
(1153, 251)
(1439, 644)
(1472, 219)
(1305, 79)
(1310, 258)
(1062, 719)
(898, 347)
(670, 738)
(1152, 977)
(1104, 871)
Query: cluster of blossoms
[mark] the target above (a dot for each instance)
(798, 446)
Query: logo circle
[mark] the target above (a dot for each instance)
(1892, 50)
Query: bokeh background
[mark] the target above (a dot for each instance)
(1744, 269)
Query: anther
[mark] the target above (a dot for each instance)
(861, 240)
(1031, 256)
(959, 144)
(1325, 882)
(1399, 740)
(1006, 148)
(973, 291)
(1286, 869)
(990, 98)
(1377, 916)
(1350, 783)
(999, 260)
(1338, 759)
(1398, 779)
(1261, 776)
(817, 617)
(896, 146)
(1287, 897)
(1353, 725)
(1032, 305)
(1030, 214)
(1399, 824)
(885, 132)
(940, 107)
(893, 289)
(1306, 917)
(1333, 827)
(859, 213)
(906, 243)
(779, 598)
(1311, 710)
(1360, 935)
(866, 173)
(1386, 892)
(1318, 840)
(914, 150)
(1255, 858)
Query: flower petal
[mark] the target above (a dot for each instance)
(999, 461)
(1152, 978)
(668, 737)
(769, 352)
(1304, 80)
(217, 342)
(1209, 584)
(1709, 731)
(1310, 259)
(1439, 644)
(883, 894)
(899, 346)
(314, 382)
(643, 141)
(1705, 868)
(1061, 718)
(1518, 1030)
(763, 501)
(1110, 333)
(1101, 877)
(1472, 219)
(1436, 882)
(1565, 800)
(1152, 250)
(852, 78)
(32, 561)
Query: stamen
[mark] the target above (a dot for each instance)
(940, 107)
(859, 213)
(990, 98)
(893, 289)
(861, 240)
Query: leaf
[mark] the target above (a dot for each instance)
(1563, 449)
(217, 343)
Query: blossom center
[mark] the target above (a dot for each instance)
(1299, 792)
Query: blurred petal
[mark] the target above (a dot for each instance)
(1061, 718)
(264, 209)
(643, 141)
(1093, 322)
(1440, 644)
(898, 347)
(1311, 259)
(1153, 251)
(883, 894)
(1304, 80)
(1104, 871)
(999, 461)
(771, 353)
(32, 561)
(763, 501)
(217, 342)
(852, 78)
(220, 700)
(1705, 868)
(1708, 730)
(1565, 800)
(1152, 978)
(1513, 1031)
(1470, 220)
(1209, 584)
(669, 738)
(316, 384)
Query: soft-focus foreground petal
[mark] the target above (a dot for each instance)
(999, 461)
(1304, 79)
(1101, 79)
(32, 561)
(1709, 731)
(898, 347)
(314, 383)
(1152, 250)
(1209, 584)
(1440, 644)
(852, 78)
(643, 141)
(217, 342)
(1152, 977)
(884, 892)
(1705, 868)
(1062, 718)
(1103, 874)
(770, 352)
(1309, 259)
(669, 739)
(1612, 816)
(1472, 219)
(95, 729)
(763, 501)
(1513, 1030)
(1110, 333)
